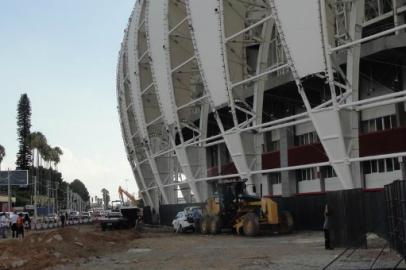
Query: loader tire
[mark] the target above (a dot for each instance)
(285, 222)
(205, 225)
(250, 225)
(215, 225)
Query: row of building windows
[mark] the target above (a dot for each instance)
(305, 174)
(380, 123)
(371, 166)
(307, 138)
(311, 173)
(367, 126)
(380, 165)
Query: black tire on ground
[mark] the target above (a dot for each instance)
(250, 225)
(215, 225)
(285, 222)
(205, 224)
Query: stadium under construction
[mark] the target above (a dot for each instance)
(292, 100)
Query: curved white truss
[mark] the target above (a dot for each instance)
(185, 65)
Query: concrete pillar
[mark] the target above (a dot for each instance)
(402, 167)
(289, 184)
(320, 175)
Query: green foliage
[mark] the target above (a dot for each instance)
(106, 197)
(2, 153)
(37, 140)
(80, 188)
(23, 132)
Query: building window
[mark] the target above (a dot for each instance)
(380, 123)
(307, 138)
(328, 172)
(274, 146)
(380, 165)
(213, 156)
(306, 174)
(271, 146)
(275, 178)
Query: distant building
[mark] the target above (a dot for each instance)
(4, 203)
(296, 97)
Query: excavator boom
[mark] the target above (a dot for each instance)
(130, 197)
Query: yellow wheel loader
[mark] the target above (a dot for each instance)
(232, 208)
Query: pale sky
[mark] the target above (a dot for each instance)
(63, 54)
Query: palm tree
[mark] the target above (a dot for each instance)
(2, 154)
(56, 154)
(46, 153)
(37, 142)
(106, 198)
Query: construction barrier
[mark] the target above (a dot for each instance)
(395, 197)
(57, 224)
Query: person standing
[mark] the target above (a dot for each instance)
(13, 223)
(3, 225)
(20, 225)
(63, 220)
(27, 221)
(326, 228)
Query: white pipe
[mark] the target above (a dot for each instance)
(289, 168)
(382, 103)
(285, 125)
(214, 143)
(183, 64)
(177, 26)
(259, 75)
(360, 102)
(191, 102)
(249, 28)
(383, 33)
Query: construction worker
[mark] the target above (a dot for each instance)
(3, 222)
(326, 227)
(13, 223)
(20, 225)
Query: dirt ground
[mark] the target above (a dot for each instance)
(87, 247)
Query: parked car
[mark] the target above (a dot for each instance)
(187, 219)
(86, 215)
(181, 223)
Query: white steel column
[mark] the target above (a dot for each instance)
(353, 61)
(326, 121)
(137, 86)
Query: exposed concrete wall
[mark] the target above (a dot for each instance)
(289, 184)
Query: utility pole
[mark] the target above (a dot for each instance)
(48, 195)
(9, 190)
(67, 198)
(56, 200)
(35, 197)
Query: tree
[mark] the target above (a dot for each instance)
(23, 131)
(2, 154)
(37, 142)
(80, 188)
(56, 154)
(106, 197)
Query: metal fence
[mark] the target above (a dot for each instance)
(355, 212)
(395, 197)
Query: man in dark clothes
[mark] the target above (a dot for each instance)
(326, 228)
(63, 220)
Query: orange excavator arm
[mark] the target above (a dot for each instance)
(130, 197)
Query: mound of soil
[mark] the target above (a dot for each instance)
(39, 250)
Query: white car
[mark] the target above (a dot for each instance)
(181, 223)
(187, 219)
